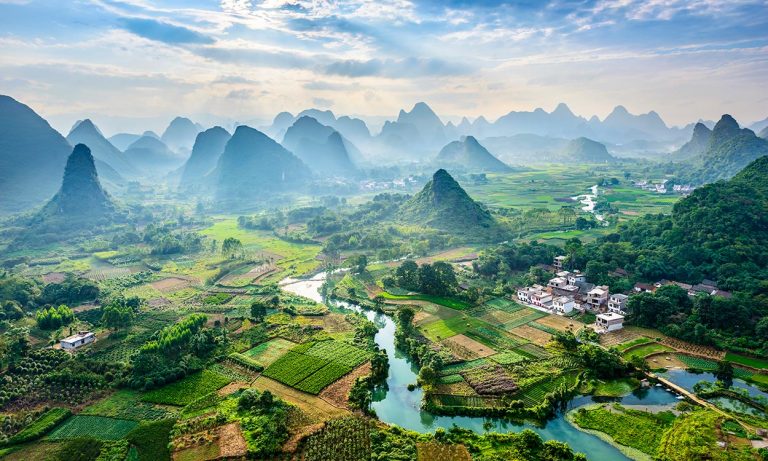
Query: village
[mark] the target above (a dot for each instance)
(570, 293)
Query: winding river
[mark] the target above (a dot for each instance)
(395, 404)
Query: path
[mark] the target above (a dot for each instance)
(699, 400)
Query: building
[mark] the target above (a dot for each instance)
(609, 322)
(558, 282)
(596, 297)
(558, 262)
(541, 298)
(617, 304)
(576, 277)
(563, 305)
(644, 288)
(76, 341)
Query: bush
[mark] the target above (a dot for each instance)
(40, 426)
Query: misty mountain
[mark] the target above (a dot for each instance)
(123, 140)
(86, 132)
(208, 147)
(764, 133)
(152, 156)
(417, 130)
(696, 146)
(587, 151)
(350, 128)
(526, 148)
(32, 157)
(81, 197)
(443, 204)
(320, 147)
(468, 154)
(730, 149)
(253, 163)
(180, 134)
(759, 126)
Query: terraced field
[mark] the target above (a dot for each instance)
(267, 353)
(522, 317)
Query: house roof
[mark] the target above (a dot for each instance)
(78, 337)
(610, 316)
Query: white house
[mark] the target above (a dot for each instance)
(76, 341)
(576, 277)
(609, 322)
(617, 304)
(563, 304)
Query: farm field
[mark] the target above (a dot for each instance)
(127, 404)
(748, 361)
(644, 350)
(442, 329)
(97, 427)
(188, 389)
(534, 335)
(267, 353)
(447, 302)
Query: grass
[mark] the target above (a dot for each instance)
(442, 329)
(615, 388)
(752, 362)
(96, 427)
(636, 429)
(184, 392)
(635, 342)
(646, 350)
(447, 302)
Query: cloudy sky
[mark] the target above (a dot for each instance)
(136, 62)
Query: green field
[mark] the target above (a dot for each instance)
(126, 404)
(645, 350)
(442, 329)
(761, 364)
(183, 392)
(97, 427)
(267, 353)
(615, 388)
(447, 302)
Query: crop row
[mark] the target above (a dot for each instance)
(97, 427)
(339, 352)
(40, 426)
(323, 377)
(533, 351)
(294, 367)
(508, 358)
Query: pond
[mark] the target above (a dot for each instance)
(687, 379)
(395, 404)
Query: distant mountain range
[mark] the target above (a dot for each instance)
(208, 147)
(586, 151)
(180, 134)
(152, 156)
(85, 132)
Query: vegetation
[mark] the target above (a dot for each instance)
(632, 428)
(185, 391)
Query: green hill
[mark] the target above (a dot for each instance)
(470, 155)
(586, 150)
(81, 197)
(205, 154)
(696, 146)
(443, 204)
(730, 149)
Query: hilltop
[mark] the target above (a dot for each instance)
(206, 152)
(253, 163)
(443, 204)
(469, 154)
(81, 197)
(730, 149)
(86, 132)
(697, 145)
(319, 146)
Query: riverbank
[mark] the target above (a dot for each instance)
(629, 452)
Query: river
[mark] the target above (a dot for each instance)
(395, 404)
(588, 200)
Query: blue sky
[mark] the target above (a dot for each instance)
(138, 61)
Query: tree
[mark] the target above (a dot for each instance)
(724, 373)
(359, 264)
(258, 310)
(407, 275)
(405, 316)
(231, 247)
(54, 317)
(427, 375)
(116, 315)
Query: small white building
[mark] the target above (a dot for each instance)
(609, 322)
(563, 305)
(617, 304)
(576, 277)
(76, 341)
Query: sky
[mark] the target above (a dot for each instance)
(137, 63)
